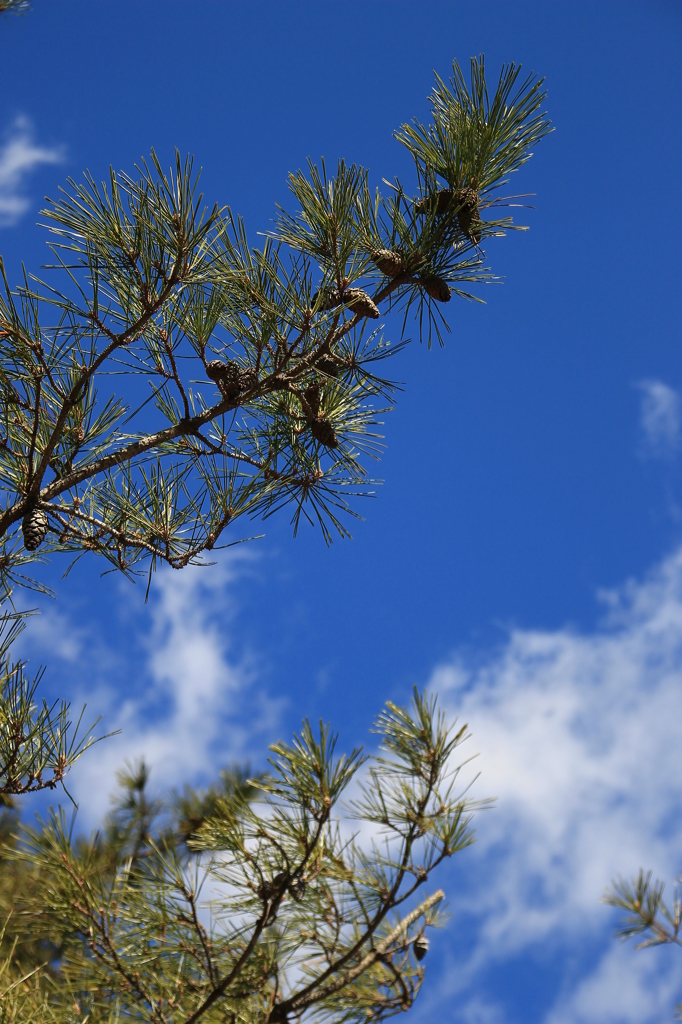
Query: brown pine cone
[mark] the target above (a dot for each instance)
(231, 378)
(439, 202)
(269, 888)
(357, 301)
(330, 299)
(437, 288)
(225, 375)
(466, 199)
(311, 395)
(328, 365)
(248, 378)
(389, 262)
(323, 431)
(297, 888)
(360, 302)
(467, 215)
(34, 527)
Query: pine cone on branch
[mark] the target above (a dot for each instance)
(34, 527)
(311, 395)
(466, 199)
(439, 202)
(231, 378)
(297, 888)
(468, 215)
(360, 302)
(357, 301)
(248, 378)
(323, 431)
(421, 946)
(328, 365)
(270, 887)
(389, 262)
(437, 288)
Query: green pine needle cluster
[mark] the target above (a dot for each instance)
(259, 900)
(38, 743)
(169, 378)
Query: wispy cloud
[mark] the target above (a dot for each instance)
(19, 155)
(181, 696)
(660, 420)
(579, 736)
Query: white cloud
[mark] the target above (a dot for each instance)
(660, 419)
(580, 738)
(183, 700)
(55, 632)
(19, 154)
(625, 988)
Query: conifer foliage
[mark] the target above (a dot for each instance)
(166, 379)
(315, 905)
(169, 379)
(156, 387)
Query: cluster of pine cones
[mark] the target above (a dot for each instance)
(392, 264)
(355, 299)
(465, 201)
(232, 379)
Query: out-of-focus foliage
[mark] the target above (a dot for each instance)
(14, 7)
(648, 915)
(312, 908)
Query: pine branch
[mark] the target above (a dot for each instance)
(38, 745)
(649, 915)
(158, 288)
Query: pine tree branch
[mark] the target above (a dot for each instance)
(300, 1002)
(88, 373)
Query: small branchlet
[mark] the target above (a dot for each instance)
(648, 914)
(38, 745)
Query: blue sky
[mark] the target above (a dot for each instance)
(524, 555)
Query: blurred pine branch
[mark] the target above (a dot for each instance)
(299, 914)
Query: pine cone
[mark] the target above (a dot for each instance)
(360, 302)
(34, 528)
(439, 202)
(297, 889)
(225, 375)
(267, 889)
(389, 262)
(437, 288)
(356, 300)
(323, 431)
(312, 396)
(248, 378)
(467, 215)
(231, 378)
(466, 199)
(328, 365)
(421, 946)
(330, 299)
